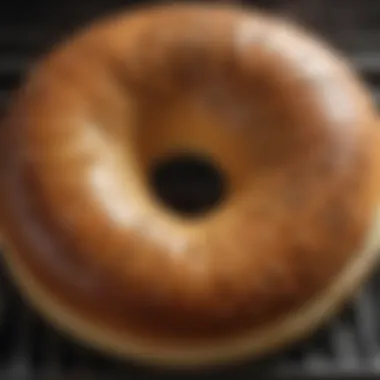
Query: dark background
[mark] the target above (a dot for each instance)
(348, 345)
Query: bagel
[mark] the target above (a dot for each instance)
(281, 117)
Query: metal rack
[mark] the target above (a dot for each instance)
(349, 344)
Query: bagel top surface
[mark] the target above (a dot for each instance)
(282, 115)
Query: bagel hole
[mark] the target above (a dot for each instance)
(190, 185)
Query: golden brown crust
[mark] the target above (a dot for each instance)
(289, 123)
(289, 329)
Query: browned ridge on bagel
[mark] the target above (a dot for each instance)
(281, 118)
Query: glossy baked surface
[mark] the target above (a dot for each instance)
(286, 120)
